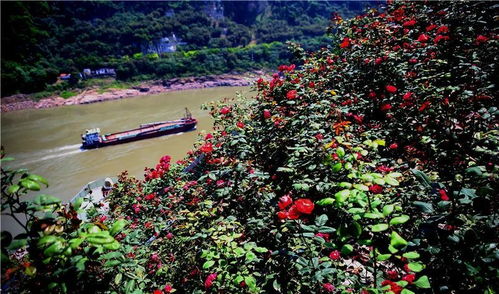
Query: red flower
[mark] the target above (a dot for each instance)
(319, 137)
(282, 214)
(423, 38)
(385, 107)
(224, 110)
(481, 39)
(393, 146)
(293, 213)
(207, 148)
(157, 292)
(391, 89)
(407, 96)
(304, 205)
(409, 23)
(443, 30)
(392, 275)
(413, 60)
(334, 255)
(150, 196)
(345, 43)
(291, 94)
(328, 287)
(168, 288)
(102, 218)
(431, 27)
(409, 278)
(285, 201)
(376, 189)
(424, 106)
(440, 38)
(266, 114)
(324, 236)
(209, 280)
(240, 124)
(378, 60)
(208, 136)
(169, 236)
(384, 169)
(443, 195)
(311, 85)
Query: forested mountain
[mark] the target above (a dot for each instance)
(42, 39)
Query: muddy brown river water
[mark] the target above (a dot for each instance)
(47, 141)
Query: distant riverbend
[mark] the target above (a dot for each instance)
(93, 95)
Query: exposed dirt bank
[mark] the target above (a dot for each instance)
(93, 95)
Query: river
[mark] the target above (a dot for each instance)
(47, 141)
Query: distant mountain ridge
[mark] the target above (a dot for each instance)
(42, 39)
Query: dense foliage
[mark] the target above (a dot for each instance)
(40, 40)
(370, 168)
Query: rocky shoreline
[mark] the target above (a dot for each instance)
(92, 95)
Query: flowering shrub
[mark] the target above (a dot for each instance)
(368, 169)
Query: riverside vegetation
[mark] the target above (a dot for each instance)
(369, 168)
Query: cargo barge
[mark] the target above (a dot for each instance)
(92, 138)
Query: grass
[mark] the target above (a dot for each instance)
(67, 94)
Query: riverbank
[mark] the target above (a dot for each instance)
(95, 94)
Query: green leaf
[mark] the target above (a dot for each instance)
(208, 264)
(276, 286)
(388, 209)
(415, 266)
(239, 251)
(407, 291)
(250, 282)
(411, 255)
(30, 185)
(474, 171)
(13, 189)
(422, 177)
(340, 151)
(399, 220)
(337, 167)
(379, 228)
(346, 249)
(17, 243)
(112, 263)
(424, 206)
(78, 202)
(396, 240)
(117, 227)
(379, 181)
(373, 215)
(342, 195)
(321, 220)
(383, 257)
(361, 187)
(250, 256)
(423, 282)
(391, 181)
(345, 185)
(261, 249)
(325, 201)
(39, 179)
(117, 279)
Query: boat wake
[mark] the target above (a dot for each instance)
(53, 153)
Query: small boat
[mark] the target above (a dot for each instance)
(92, 138)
